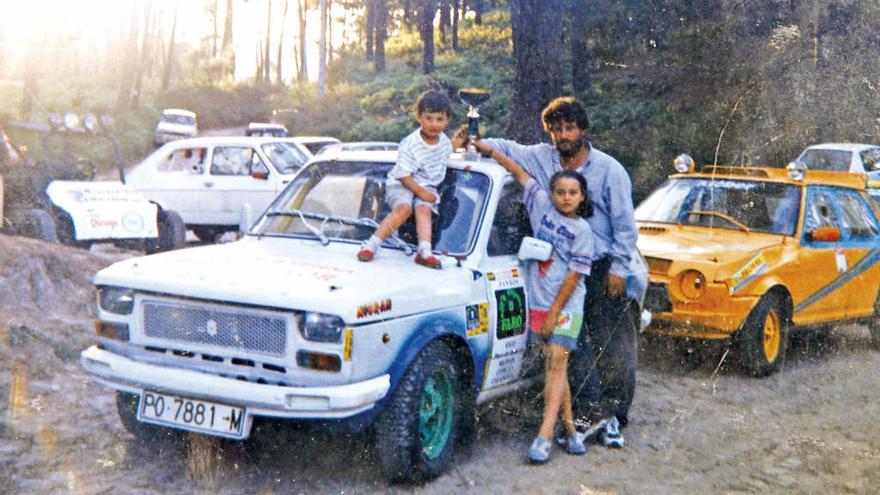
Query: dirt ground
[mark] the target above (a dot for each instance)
(698, 425)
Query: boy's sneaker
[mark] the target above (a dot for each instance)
(610, 436)
(574, 444)
(365, 255)
(539, 452)
(430, 261)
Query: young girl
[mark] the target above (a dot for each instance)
(556, 289)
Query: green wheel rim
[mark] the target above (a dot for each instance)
(436, 413)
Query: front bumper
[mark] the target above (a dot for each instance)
(332, 402)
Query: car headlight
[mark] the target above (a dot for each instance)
(692, 284)
(321, 327)
(116, 300)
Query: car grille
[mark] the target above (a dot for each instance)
(217, 326)
(657, 298)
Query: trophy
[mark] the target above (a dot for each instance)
(474, 98)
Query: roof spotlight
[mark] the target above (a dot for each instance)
(796, 170)
(683, 163)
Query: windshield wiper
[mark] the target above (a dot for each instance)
(721, 216)
(319, 233)
(369, 222)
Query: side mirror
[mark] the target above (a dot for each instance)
(534, 249)
(825, 233)
(260, 175)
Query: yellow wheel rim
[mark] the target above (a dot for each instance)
(772, 336)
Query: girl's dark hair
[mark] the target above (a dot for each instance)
(433, 101)
(585, 209)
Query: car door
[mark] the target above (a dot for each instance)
(508, 311)
(861, 247)
(826, 264)
(237, 175)
(172, 180)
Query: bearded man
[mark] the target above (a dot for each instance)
(611, 312)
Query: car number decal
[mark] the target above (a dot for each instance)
(756, 266)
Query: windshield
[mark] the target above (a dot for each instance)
(346, 200)
(315, 146)
(287, 158)
(833, 160)
(178, 119)
(730, 204)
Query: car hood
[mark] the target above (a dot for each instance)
(298, 274)
(669, 249)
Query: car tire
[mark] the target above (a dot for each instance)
(37, 224)
(208, 234)
(763, 338)
(415, 435)
(145, 433)
(67, 231)
(172, 233)
(874, 325)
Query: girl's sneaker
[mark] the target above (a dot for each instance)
(574, 444)
(539, 452)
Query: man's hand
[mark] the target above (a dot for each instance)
(460, 139)
(616, 286)
(426, 195)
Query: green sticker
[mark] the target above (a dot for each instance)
(511, 312)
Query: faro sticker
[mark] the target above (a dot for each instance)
(756, 266)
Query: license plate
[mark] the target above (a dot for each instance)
(193, 414)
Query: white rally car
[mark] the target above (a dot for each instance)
(286, 323)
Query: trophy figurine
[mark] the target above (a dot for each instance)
(474, 98)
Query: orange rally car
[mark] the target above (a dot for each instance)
(750, 253)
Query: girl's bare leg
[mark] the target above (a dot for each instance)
(556, 363)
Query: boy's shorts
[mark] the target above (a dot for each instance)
(397, 194)
(564, 335)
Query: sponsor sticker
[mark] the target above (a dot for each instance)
(757, 265)
(477, 319)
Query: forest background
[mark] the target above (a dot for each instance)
(727, 81)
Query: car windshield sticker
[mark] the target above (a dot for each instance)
(754, 267)
(840, 258)
(511, 312)
(477, 319)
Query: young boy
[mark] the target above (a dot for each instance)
(412, 182)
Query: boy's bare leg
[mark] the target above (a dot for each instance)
(393, 221)
(556, 364)
(423, 223)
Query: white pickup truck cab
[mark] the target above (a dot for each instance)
(286, 323)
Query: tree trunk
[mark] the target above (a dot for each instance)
(142, 58)
(322, 49)
(258, 76)
(381, 34)
(278, 79)
(370, 28)
(227, 28)
(444, 20)
(215, 11)
(538, 73)
(578, 20)
(407, 14)
(303, 66)
(455, 17)
(427, 10)
(478, 10)
(266, 53)
(129, 64)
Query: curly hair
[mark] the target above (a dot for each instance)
(568, 109)
(433, 101)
